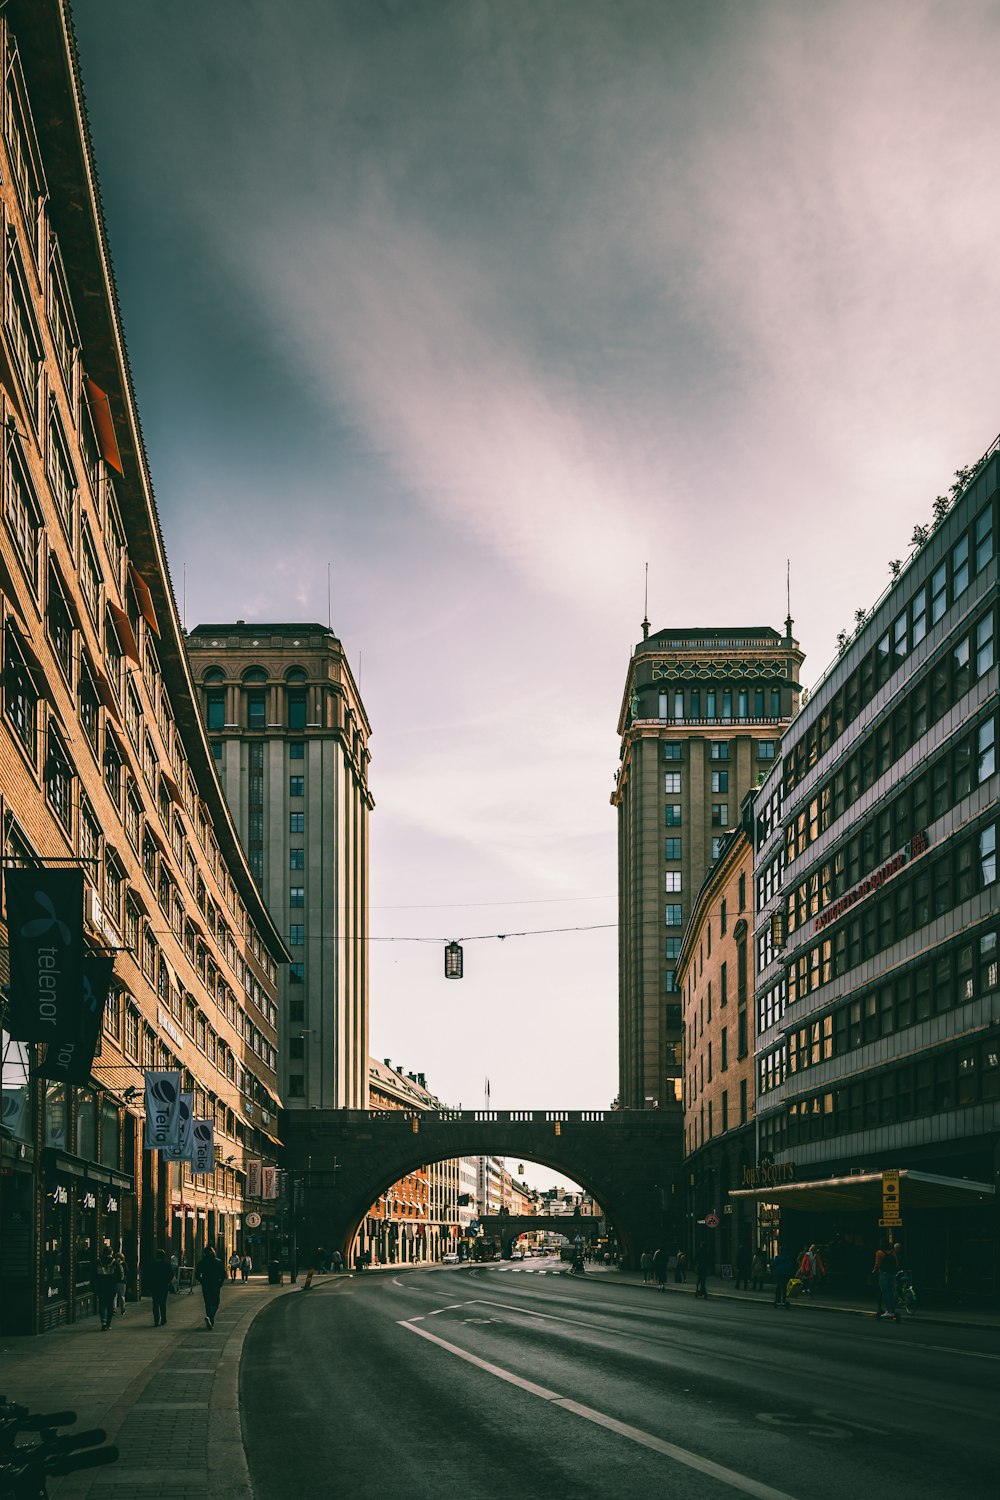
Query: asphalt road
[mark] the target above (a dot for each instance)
(464, 1383)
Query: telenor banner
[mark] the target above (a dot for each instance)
(203, 1155)
(163, 1103)
(71, 1058)
(45, 933)
(184, 1149)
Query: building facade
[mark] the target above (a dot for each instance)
(701, 719)
(103, 760)
(289, 735)
(715, 976)
(878, 919)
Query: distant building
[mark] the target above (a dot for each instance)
(289, 734)
(701, 719)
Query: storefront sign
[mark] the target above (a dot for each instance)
(769, 1175)
(59, 1196)
(111, 1204)
(167, 1023)
(45, 933)
(163, 1095)
(89, 1200)
(71, 1059)
(871, 882)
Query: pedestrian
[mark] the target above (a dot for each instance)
(175, 1267)
(246, 1266)
(660, 1259)
(106, 1287)
(234, 1264)
(680, 1268)
(160, 1277)
(211, 1273)
(782, 1268)
(120, 1285)
(743, 1259)
(758, 1270)
(885, 1268)
(702, 1266)
(811, 1268)
(646, 1265)
(337, 1262)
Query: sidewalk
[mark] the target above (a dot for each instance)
(169, 1397)
(943, 1317)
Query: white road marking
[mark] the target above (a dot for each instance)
(944, 1349)
(396, 1281)
(680, 1455)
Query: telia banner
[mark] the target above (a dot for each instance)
(163, 1102)
(71, 1058)
(184, 1149)
(203, 1147)
(253, 1179)
(45, 932)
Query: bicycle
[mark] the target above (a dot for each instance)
(906, 1293)
(25, 1469)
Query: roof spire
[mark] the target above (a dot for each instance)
(788, 598)
(645, 610)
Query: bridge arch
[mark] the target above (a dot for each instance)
(343, 1160)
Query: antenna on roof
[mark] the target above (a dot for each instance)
(645, 610)
(184, 599)
(788, 597)
(329, 600)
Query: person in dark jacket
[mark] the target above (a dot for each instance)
(211, 1273)
(106, 1287)
(161, 1274)
(702, 1266)
(782, 1267)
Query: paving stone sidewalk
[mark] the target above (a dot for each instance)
(169, 1396)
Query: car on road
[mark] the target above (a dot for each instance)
(449, 1260)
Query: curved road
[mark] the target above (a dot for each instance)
(469, 1383)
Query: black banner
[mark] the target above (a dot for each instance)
(45, 934)
(71, 1059)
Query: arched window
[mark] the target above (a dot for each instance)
(295, 674)
(255, 674)
(214, 674)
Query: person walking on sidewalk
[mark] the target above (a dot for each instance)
(646, 1265)
(702, 1266)
(106, 1287)
(885, 1268)
(246, 1266)
(758, 1270)
(234, 1265)
(661, 1258)
(161, 1274)
(211, 1273)
(781, 1265)
(120, 1285)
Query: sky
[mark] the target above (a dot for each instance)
(487, 304)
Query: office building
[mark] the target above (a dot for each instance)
(289, 734)
(701, 720)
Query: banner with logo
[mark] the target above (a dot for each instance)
(163, 1102)
(14, 1111)
(253, 1178)
(269, 1182)
(71, 1059)
(44, 910)
(203, 1147)
(184, 1149)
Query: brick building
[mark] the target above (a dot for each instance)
(103, 757)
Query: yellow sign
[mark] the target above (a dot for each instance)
(890, 1223)
(890, 1194)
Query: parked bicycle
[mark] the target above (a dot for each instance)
(25, 1466)
(906, 1294)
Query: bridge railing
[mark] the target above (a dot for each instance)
(623, 1119)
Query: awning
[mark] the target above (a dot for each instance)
(863, 1193)
(144, 597)
(126, 635)
(106, 693)
(104, 426)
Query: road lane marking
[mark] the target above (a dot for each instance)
(680, 1455)
(944, 1349)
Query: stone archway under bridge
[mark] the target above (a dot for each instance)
(342, 1161)
(508, 1228)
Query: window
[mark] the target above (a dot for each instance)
(296, 859)
(21, 515)
(296, 822)
(673, 814)
(256, 709)
(217, 754)
(720, 814)
(984, 644)
(939, 593)
(296, 1086)
(87, 705)
(716, 847)
(919, 609)
(724, 984)
(983, 537)
(20, 697)
(960, 567)
(673, 949)
(59, 623)
(296, 1046)
(20, 325)
(722, 917)
(58, 780)
(297, 895)
(724, 1048)
(296, 786)
(988, 854)
(672, 781)
(296, 750)
(61, 477)
(765, 749)
(296, 975)
(672, 913)
(671, 750)
(720, 749)
(673, 878)
(986, 745)
(743, 1101)
(720, 781)
(743, 892)
(296, 934)
(672, 848)
(215, 709)
(296, 708)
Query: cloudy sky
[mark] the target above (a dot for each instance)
(487, 303)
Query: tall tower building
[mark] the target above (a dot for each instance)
(289, 734)
(700, 722)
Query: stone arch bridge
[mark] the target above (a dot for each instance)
(508, 1228)
(341, 1161)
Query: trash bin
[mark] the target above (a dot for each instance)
(274, 1272)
